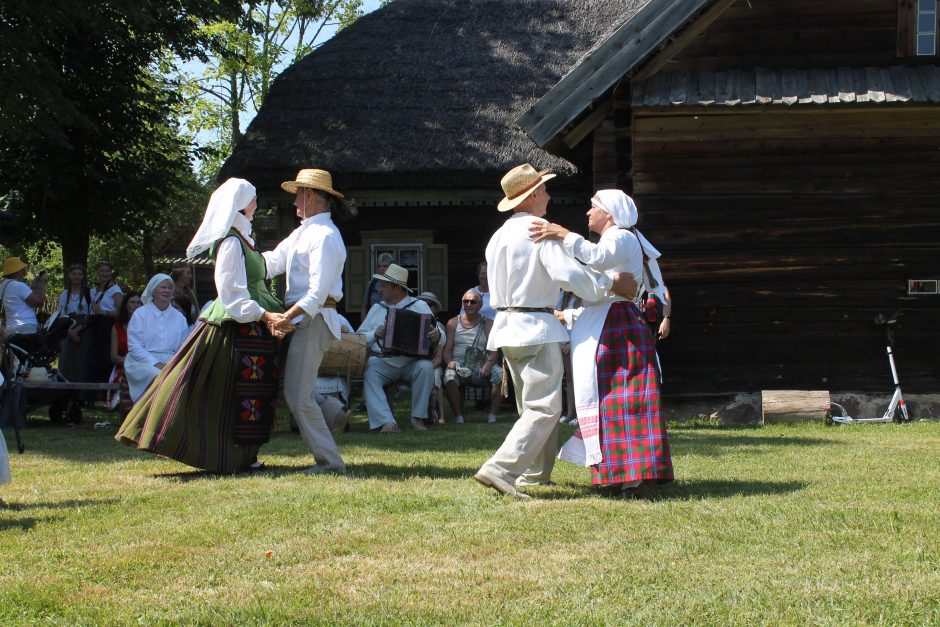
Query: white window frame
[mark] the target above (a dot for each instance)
(925, 11)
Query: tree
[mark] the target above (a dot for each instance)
(88, 136)
(250, 49)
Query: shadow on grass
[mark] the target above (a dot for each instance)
(355, 471)
(719, 442)
(27, 523)
(677, 491)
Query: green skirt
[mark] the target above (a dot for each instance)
(212, 406)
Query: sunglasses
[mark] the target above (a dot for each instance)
(468, 301)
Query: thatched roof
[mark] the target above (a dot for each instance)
(424, 93)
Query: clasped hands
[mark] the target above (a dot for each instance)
(278, 324)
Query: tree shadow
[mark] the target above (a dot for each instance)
(719, 443)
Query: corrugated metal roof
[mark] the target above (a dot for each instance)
(761, 86)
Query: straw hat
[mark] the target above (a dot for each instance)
(313, 179)
(394, 274)
(519, 182)
(429, 298)
(12, 265)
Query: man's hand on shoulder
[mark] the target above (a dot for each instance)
(624, 285)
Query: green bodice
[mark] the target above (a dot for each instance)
(257, 288)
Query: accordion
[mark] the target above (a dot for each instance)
(406, 333)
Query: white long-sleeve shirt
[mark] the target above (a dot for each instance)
(312, 257)
(231, 281)
(617, 250)
(153, 336)
(525, 274)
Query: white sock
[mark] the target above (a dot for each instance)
(459, 419)
(491, 418)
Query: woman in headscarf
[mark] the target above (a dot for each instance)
(154, 333)
(621, 434)
(213, 405)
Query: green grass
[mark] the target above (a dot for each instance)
(780, 525)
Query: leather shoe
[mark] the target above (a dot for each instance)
(418, 425)
(389, 427)
(499, 485)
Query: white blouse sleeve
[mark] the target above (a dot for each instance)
(231, 282)
(606, 254)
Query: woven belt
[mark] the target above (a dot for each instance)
(526, 309)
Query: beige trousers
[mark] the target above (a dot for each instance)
(310, 340)
(530, 447)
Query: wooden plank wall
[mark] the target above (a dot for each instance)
(795, 34)
(785, 230)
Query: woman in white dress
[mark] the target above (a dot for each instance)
(155, 332)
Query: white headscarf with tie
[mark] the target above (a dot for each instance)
(625, 215)
(222, 214)
(155, 280)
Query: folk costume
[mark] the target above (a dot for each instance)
(524, 278)
(621, 434)
(312, 258)
(212, 406)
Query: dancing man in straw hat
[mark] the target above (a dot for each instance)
(524, 279)
(312, 257)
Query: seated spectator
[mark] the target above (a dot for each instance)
(182, 275)
(467, 359)
(154, 333)
(436, 403)
(183, 305)
(371, 296)
(20, 301)
(384, 369)
(484, 290)
(122, 399)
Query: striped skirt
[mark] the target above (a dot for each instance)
(212, 406)
(632, 431)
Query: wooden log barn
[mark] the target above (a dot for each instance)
(783, 154)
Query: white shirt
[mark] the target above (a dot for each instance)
(312, 256)
(525, 274)
(106, 300)
(71, 303)
(617, 250)
(19, 313)
(376, 318)
(231, 281)
(153, 336)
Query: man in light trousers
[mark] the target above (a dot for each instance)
(524, 279)
(312, 257)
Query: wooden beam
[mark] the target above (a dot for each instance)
(588, 124)
(696, 28)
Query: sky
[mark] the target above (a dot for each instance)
(195, 68)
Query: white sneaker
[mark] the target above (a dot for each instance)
(491, 418)
(459, 420)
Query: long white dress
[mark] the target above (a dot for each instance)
(153, 336)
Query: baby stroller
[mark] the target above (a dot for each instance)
(21, 353)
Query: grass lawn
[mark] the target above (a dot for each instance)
(780, 525)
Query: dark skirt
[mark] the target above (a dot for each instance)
(212, 406)
(632, 430)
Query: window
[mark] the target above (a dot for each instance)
(405, 255)
(926, 28)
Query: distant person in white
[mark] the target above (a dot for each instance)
(154, 334)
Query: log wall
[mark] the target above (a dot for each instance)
(785, 230)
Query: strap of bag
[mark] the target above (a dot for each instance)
(651, 282)
(3, 309)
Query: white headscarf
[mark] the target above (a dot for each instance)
(155, 280)
(625, 214)
(222, 213)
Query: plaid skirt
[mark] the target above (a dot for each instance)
(632, 431)
(212, 406)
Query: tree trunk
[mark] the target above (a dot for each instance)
(236, 123)
(146, 251)
(74, 241)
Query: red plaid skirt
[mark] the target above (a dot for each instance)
(632, 430)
